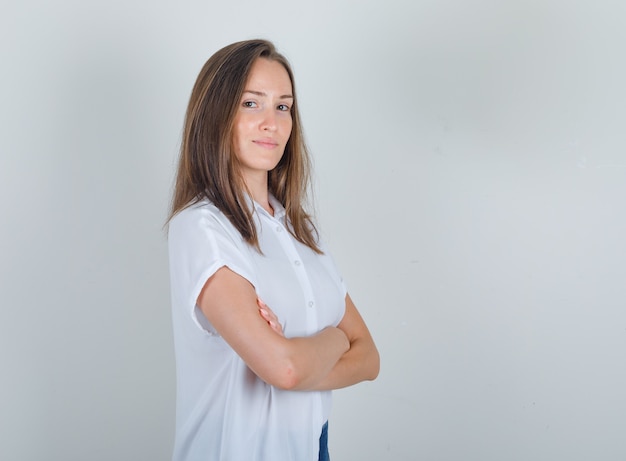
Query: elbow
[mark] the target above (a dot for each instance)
(374, 366)
(287, 380)
(285, 369)
(375, 372)
(285, 377)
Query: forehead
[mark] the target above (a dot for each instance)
(266, 75)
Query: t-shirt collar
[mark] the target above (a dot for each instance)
(279, 209)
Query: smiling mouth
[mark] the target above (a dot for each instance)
(267, 143)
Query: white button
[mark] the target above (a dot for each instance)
(311, 304)
(297, 263)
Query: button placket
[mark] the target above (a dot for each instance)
(291, 251)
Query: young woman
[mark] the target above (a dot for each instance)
(254, 382)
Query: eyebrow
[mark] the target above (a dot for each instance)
(260, 93)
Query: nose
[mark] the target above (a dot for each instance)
(268, 122)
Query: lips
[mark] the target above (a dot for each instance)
(267, 143)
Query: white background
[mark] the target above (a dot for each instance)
(470, 162)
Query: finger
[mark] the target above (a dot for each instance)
(276, 327)
(266, 312)
(269, 316)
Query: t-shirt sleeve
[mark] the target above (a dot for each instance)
(201, 241)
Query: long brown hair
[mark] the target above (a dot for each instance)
(208, 167)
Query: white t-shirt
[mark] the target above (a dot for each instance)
(224, 412)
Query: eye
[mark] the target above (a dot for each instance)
(249, 104)
(284, 107)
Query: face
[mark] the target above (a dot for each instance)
(263, 121)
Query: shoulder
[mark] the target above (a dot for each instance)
(202, 235)
(199, 216)
(201, 209)
(202, 228)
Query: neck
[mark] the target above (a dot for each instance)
(257, 186)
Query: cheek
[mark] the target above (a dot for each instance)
(239, 133)
(235, 142)
(287, 127)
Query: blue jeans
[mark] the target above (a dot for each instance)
(324, 456)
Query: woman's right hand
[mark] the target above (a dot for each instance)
(269, 316)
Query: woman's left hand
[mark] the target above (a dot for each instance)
(269, 316)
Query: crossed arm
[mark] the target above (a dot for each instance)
(333, 358)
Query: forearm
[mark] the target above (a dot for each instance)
(313, 358)
(332, 359)
(360, 363)
(229, 302)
